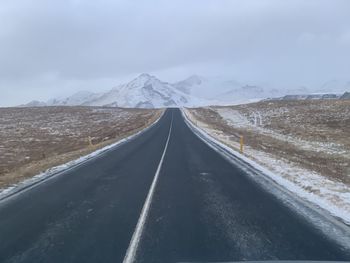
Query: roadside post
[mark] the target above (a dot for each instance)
(241, 142)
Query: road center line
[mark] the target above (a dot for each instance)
(130, 255)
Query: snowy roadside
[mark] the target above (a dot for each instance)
(26, 184)
(236, 119)
(330, 195)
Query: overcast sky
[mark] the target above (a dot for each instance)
(56, 47)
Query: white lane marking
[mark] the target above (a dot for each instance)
(130, 255)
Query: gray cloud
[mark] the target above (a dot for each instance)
(50, 48)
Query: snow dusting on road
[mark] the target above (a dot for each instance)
(331, 195)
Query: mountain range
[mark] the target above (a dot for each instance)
(147, 91)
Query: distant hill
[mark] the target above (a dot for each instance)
(318, 96)
(345, 96)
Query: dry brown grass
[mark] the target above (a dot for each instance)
(35, 139)
(312, 134)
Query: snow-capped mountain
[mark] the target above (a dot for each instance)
(78, 98)
(35, 103)
(223, 91)
(147, 91)
(189, 85)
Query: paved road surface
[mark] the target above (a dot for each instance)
(203, 208)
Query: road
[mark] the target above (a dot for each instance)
(164, 196)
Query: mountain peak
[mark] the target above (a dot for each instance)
(142, 79)
(144, 91)
(145, 76)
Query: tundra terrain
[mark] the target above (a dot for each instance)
(37, 138)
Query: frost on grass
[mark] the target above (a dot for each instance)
(35, 139)
(305, 144)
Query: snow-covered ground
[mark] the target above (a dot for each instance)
(326, 192)
(255, 121)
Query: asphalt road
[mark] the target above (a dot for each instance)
(165, 196)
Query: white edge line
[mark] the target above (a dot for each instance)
(130, 255)
(36, 180)
(320, 218)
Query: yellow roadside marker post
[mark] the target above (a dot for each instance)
(241, 141)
